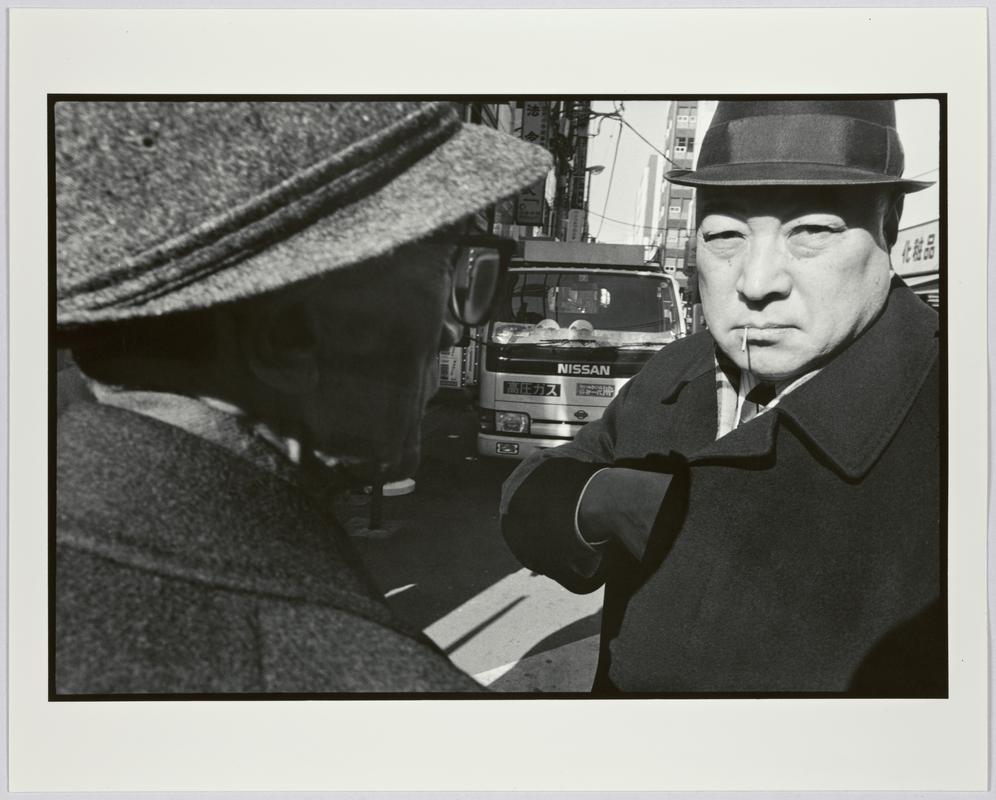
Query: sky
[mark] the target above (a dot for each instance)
(916, 120)
(650, 119)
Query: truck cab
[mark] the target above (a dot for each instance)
(574, 322)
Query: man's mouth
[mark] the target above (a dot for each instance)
(760, 335)
(760, 330)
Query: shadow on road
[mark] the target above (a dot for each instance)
(564, 661)
(444, 567)
(445, 542)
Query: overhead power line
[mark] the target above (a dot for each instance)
(652, 145)
(617, 115)
(608, 189)
(622, 222)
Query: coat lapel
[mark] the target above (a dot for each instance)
(686, 381)
(692, 423)
(853, 408)
(689, 410)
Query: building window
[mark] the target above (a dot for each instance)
(674, 211)
(672, 236)
(684, 145)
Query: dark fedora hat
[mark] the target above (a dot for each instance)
(170, 206)
(801, 142)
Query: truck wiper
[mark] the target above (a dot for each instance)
(584, 342)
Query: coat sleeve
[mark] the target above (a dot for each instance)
(540, 503)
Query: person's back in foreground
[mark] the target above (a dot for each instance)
(257, 292)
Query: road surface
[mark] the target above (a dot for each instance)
(439, 558)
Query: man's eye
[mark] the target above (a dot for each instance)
(723, 243)
(721, 235)
(813, 234)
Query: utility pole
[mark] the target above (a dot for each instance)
(570, 150)
(562, 151)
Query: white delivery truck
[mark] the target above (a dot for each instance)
(574, 322)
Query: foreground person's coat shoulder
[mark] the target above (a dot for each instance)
(182, 568)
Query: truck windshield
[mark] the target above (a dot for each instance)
(585, 309)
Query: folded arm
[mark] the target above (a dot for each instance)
(563, 508)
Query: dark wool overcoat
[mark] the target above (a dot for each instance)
(800, 553)
(183, 568)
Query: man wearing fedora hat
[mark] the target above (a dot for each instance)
(257, 292)
(762, 501)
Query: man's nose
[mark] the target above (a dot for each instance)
(763, 274)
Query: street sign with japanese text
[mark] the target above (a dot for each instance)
(535, 129)
(536, 122)
(917, 249)
(575, 225)
(529, 204)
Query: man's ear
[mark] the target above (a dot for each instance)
(280, 344)
(890, 222)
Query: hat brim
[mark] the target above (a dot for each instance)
(789, 174)
(474, 168)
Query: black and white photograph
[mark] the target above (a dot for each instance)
(506, 402)
(712, 414)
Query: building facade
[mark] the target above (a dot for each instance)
(553, 208)
(677, 207)
(647, 213)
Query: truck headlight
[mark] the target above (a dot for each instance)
(511, 422)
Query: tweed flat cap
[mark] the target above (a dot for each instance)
(801, 142)
(165, 206)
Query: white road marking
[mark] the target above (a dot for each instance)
(514, 615)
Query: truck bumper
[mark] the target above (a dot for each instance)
(497, 445)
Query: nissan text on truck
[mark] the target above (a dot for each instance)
(573, 323)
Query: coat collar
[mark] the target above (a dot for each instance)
(693, 361)
(853, 407)
(218, 422)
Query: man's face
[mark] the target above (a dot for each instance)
(381, 327)
(804, 269)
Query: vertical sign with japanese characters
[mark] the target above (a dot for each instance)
(529, 205)
(536, 122)
(575, 225)
(916, 249)
(535, 129)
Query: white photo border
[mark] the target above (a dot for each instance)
(717, 745)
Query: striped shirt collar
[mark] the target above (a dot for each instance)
(733, 386)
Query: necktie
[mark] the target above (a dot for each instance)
(756, 399)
